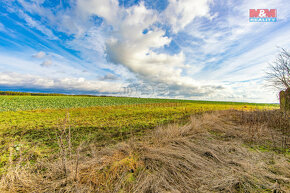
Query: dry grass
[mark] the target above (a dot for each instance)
(209, 154)
(267, 128)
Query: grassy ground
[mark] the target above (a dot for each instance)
(222, 151)
(35, 131)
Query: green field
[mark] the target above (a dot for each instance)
(31, 125)
(17, 103)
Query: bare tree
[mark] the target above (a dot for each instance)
(278, 75)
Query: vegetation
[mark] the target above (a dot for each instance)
(82, 144)
(13, 93)
(224, 151)
(18, 103)
(279, 71)
(37, 129)
(29, 94)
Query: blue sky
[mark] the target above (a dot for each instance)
(191, 49)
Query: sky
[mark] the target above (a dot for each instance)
(186, 49)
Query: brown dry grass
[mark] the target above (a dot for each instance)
(209, 154)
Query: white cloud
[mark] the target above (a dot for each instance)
(47, 58)
(40, 54)
(21, 62)
(180, 13)
(46, 63)
(129, 46)
(71, 84)
(37, 25)
(217, 50)
(234, 49)
(108, 9)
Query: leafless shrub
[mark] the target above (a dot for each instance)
(64, 142)
(278, 75)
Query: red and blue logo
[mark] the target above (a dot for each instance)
(263, 15)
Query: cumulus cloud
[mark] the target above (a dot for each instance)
(131, 37)
(135, 38)
(42, 55)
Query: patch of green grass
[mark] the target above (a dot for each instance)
(268, 148)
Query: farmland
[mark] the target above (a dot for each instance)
(18, 103)
(48, 133)
(33, 122)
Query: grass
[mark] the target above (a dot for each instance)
(33, 128)
(171, 158)
(37, 130)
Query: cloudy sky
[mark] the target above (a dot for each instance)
(191, 49)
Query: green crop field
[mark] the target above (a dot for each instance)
(31, 125)
(17, 103)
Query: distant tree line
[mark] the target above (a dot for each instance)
(43, 94)
(29, 94)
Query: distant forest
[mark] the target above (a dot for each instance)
(40, 94)
(29, 94)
